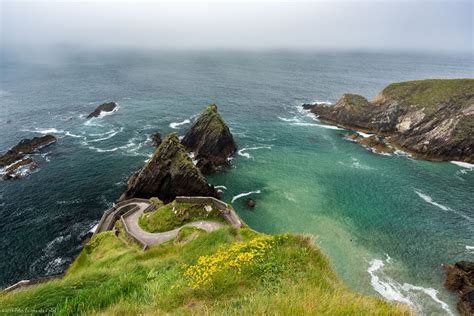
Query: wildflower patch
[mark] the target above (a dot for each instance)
(235, 257)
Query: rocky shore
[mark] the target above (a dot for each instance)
(431, 119)
(16, 162)
(460, 279)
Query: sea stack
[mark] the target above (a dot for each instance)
(105, 107)
(169, 173)
(432, 119)
(210, 140)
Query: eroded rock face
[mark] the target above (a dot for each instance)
(460, 279)
(105, 107)
(210, 140)
(433, 119)
(169, 173)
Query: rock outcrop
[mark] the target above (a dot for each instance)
(432, 119)
(15, 160)
(156, 139)
(460, 279)
(105, 107)
(169, 173)
(210, 140)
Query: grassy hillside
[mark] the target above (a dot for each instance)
(229, 271)
(429, 93)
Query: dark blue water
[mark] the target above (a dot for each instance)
(387, 223)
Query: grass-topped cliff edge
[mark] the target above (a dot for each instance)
(228, 271)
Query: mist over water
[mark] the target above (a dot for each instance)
(386, 222)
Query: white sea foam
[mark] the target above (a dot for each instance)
(429, 200)
(463, 164)
(470, 249)
(100, 150)
(365, 135)
(220, 187)
(357, 165)
(394, 291)
(294, 119)
(176, 125)
(74, 135)
(105, 113)
(318, 125)
(238, 196)
(242, 152)
(50, 130)
(109, 134)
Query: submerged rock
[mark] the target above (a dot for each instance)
(210, 140)
(460, 279)
(25, 146)
(169, 173)
(105, 107)
(432, 119)
(250, 203)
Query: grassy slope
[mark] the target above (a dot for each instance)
(428, 93)
(112, 277)
(164, 218)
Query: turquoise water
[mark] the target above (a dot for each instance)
(387, 223)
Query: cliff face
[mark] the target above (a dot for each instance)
(211, 140)
(169, 173)
(433, 119)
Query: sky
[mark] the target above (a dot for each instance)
(376, 25)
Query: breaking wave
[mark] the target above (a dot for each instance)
(405, 293)
(238, 196)
(242, 152)
(429, 200)
(318, 125)
(176, 125)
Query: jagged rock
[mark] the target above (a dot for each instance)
(105, 107)
(432, 119)
(169, 173)
(251, 203)
(376, 143)
(460, 279)
(19, 169)
(25, 146)
(210, 140)
(156, 139)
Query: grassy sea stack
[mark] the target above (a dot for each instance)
(432, 119)
(211, 140)
(169, 173)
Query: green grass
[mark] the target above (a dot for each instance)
(173, 215)
(429, 93)
(111, 277)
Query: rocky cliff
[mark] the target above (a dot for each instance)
(460, 279)
(432, 119)
(210, 140)
(169, 173)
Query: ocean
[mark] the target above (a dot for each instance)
(387, 223)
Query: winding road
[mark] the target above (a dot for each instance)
(151, 239)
